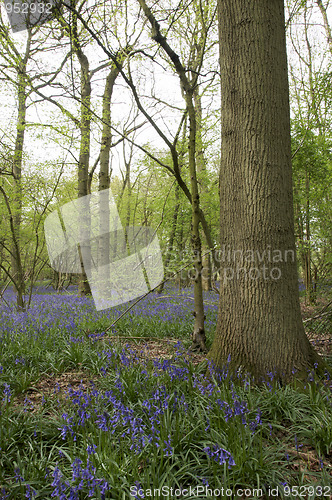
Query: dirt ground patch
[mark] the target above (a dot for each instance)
(54, 388)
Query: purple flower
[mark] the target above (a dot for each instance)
(91, 449)
(77, 467)
(18, 477)
(7, 392)
(3, 494)
(220, 455)
(168, 450)
(30, 492)
(138, 491)
(254, 424)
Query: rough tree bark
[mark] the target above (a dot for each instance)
(259, 323)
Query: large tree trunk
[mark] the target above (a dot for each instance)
(259, 323)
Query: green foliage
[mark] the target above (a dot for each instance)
(312, 175)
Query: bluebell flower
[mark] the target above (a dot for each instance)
(254, 424)
(30, 492)
(91, 449)
(296, 445)
(168, 450)
(4, 494)
(18, 477)
(7, 392)
(220, 455)
(138, 491)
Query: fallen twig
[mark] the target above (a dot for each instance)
(118, 337)
(320, 314)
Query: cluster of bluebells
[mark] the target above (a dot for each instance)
(7, 393)
(257, 421)
(49, 309)
(174, 371)
(83, 478)
(238, 408)
(146, 423)
(105, 411)
(137, 428)
(142, 426)
(30, 492)
(219, 455)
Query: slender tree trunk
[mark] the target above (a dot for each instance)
(314, 98)
(107, 227)
(309, 291)
(199, 332)
(299, 225)
(187, 87)
(327, 26)
(201, 171)
(104, 183)
(181, 251)
(259, 324)
(17, 190)
(84, 158)
(16, 202)
(175, 225)
(171, 239)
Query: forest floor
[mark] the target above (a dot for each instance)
(88, 412)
